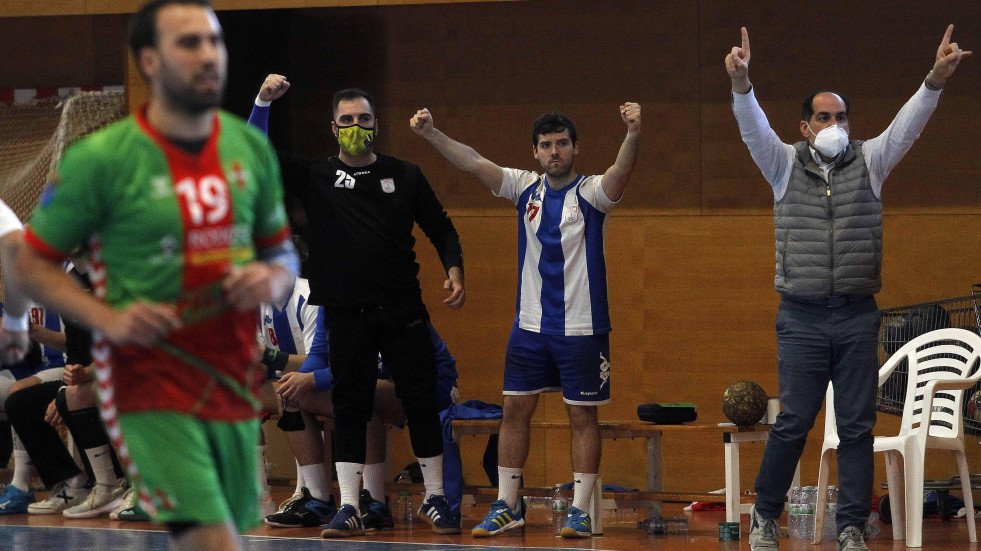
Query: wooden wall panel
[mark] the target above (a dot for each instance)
(52, 52)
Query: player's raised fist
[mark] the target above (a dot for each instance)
(273, 88)
(422, 122)
(630, 113)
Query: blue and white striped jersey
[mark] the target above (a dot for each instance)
(561, 264)
(289, 329)
(39, 315)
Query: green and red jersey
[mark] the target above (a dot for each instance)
(168, 225)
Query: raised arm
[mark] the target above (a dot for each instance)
(884, 152)
(271, 90)
(772, 156)
(615, 178)
(459, 155)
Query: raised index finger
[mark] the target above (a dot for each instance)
(946, 41)
(745, 34)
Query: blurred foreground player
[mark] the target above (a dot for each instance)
(181, 205)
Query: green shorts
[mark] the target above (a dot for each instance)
(195, 470)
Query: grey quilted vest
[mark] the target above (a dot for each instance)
(829, 235)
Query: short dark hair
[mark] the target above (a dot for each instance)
(550, 123)
(143, 25)
(807, 108)
(353, 93)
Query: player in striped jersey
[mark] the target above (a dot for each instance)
(560, 338)
(286, 333)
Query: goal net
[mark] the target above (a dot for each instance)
(33, 136)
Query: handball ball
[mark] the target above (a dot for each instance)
(744, 403)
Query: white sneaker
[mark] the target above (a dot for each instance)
(60, 498)
(128, 500)
(102, 499)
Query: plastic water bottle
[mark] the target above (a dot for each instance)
(666, 525)
(793, 516)
(872, 527)
(403, 506)
(808, 498)
(560, 509)
(831, 516)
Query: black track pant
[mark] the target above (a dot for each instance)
(401, 335)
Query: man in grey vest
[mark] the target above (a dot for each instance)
(828, 216)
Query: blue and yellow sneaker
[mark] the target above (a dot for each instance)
(346, 523)
(499, 519)
(436, 511)
(578, 525)
(15, 501)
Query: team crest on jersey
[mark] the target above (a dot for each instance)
(572, 215)
(534, 206)
(161, 187)
(239, 176)
(388, 185)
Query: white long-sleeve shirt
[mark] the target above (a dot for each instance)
(882, 153)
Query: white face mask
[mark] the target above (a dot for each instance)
(831, 140)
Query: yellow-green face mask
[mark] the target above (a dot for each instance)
(355, 140)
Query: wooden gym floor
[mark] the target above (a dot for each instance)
(54, 532)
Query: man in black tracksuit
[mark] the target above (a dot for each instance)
(361, 208)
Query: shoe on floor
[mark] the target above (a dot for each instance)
(500, 518)
(851, 539)
(763, 532)
(129, 509)
(346, 523)
(60, 497)
(15, 501)
(436, 511)
(286, 502)
(306, 511)
(375, 515)
(103, 499)
(577, 525)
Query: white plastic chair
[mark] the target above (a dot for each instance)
(942, 364)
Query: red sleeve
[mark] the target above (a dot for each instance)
(43, 248)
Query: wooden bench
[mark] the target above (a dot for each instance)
(732, 436)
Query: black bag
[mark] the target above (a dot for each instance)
(667, 414)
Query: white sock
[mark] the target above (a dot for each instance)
(375, 476)
(349, 481)
(260, 471)
(22, 464)
(300, 483)
(508, 481)
(315, 480)
(432, 474)
(77, 481)
(101, 460)
(582, 490)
